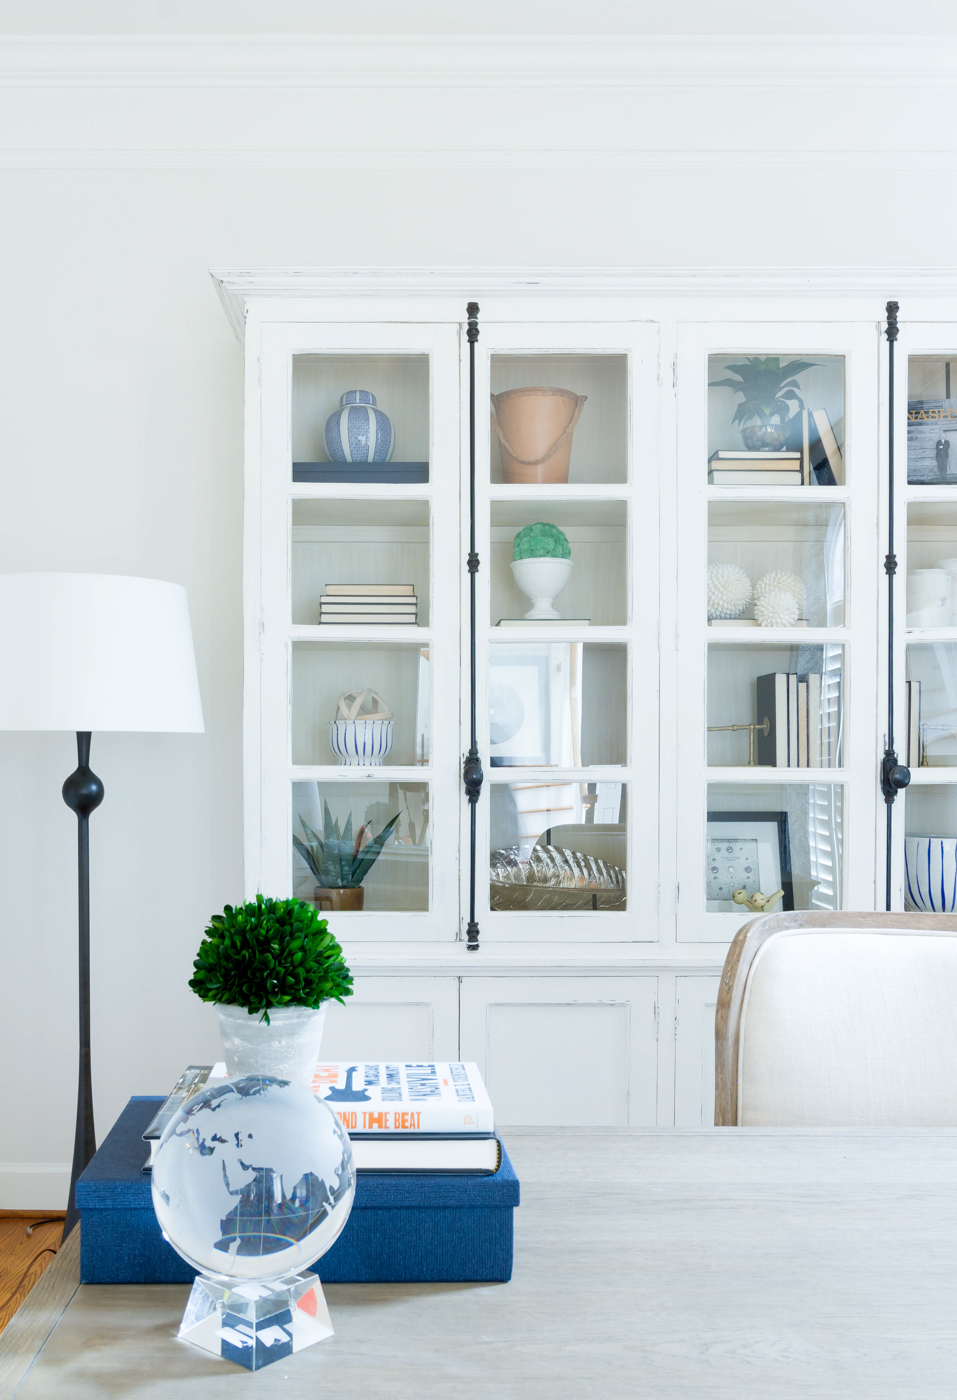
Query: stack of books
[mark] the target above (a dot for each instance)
(372, 604)
(412, 1117)
(423, 1118)
(804, 728)
(755, 469)
(813, 458)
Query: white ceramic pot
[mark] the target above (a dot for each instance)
(930, 874)
(359, 743)
(542, 580)
(287, 1048)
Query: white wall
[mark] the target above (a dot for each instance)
(121, 383)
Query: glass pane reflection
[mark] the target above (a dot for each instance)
(557, 704)
(558, 846)
(362, 845)
(764, 839)
(932, 704)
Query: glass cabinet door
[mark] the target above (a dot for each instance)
(568, 657)
(772, 472)
(926, 724)
(358, 666)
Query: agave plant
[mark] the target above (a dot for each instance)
(336, 859)
(768, 389)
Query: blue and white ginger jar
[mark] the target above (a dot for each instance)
(358, 431)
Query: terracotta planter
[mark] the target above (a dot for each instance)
(334, 901)
(534, 428)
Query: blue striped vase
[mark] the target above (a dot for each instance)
(358, 431)
(930, 874)
(361, 743)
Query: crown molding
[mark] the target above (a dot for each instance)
(238, 288)
(769, 62)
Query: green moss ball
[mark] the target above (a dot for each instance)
(541, 541)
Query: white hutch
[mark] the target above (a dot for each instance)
(597, 1012)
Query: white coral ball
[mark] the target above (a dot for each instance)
(729, 591)
(776, 607)
(778, 580)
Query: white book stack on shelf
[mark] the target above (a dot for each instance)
(369, 604)
(755, 469)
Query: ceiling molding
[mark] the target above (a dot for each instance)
(767, 62)
(490, 158)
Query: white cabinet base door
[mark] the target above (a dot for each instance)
(564, 1052)
(696, 999)
(395, 1018)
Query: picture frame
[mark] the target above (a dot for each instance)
(519, 709)
(757, 857)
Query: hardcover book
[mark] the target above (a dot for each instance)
(375, 590)
(379, 1097)
(931, 442)
(772, 701)
(719, 476)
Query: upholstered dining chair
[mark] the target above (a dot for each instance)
(838, 1020)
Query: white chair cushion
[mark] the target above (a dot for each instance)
(842, 1029)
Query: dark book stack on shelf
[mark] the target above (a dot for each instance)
(803, 719)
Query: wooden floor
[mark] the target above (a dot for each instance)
(28, 1243)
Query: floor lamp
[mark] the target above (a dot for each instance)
(83, 652)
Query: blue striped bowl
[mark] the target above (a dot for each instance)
(361, 743)
(358, 431)
(930, 874)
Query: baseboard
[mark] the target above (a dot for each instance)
(34, 1185)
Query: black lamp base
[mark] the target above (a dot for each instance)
(82, 793)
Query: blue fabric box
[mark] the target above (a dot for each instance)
(403, 1228)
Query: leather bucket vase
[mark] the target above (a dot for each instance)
(534, 428)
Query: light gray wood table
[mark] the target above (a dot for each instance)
(665, 1263)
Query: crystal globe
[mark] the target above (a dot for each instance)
(253, 1178)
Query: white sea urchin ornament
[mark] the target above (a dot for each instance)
(776, 607)
(729, 591)
(780, 579)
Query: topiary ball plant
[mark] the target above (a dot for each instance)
(267, 954)
(541, 541)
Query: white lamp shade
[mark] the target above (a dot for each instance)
(96, 652)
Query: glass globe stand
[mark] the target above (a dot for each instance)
(254, 1322)
(252, 1182)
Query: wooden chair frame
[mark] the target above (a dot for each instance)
(737, 969)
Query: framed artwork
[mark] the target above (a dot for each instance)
(749, 851)
(519, 704)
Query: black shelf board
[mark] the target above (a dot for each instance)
(389, 473)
